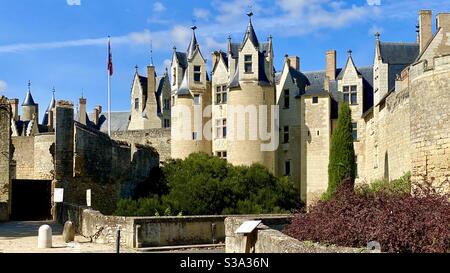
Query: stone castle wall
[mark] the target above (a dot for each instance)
(111, 169)
(23, 157)
(430, 124)
(159, 139)
(387, 140)
(5, 154)
(33, 157)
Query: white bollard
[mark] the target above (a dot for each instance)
(45, 237)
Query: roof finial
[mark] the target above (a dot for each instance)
(29, 86)
(250, 12)
(136, 67)
(377, 36)
(53, 91)
(151, 52)
(349, 52)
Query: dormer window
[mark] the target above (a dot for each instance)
(350, 94)
(197, 73)
(248, 64)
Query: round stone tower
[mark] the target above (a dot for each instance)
(191, 98)
(251, 99)
(29, 107)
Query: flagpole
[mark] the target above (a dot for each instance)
(109, 88)
(109, 104)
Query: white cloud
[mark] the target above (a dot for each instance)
(158, 7)
(201, 14)
(3, 87)
(74, 2)
(374, 29)
(133, 38)
(180, 35)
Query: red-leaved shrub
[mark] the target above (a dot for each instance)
(404, 223)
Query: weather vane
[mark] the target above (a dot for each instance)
(250, 9)
(151, 52)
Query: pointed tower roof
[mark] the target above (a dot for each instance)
(51, 105)
(250, 33)
(29, 101)
(52, 101)
(193, 44)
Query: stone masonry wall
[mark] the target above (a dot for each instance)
(387, 140)
(5, 150)
(33, 157)
(23, 157)
(43, 156)
(430, 124)
(268, 238)
(159, 139)
(112, 170)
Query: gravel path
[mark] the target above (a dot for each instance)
(21, 237)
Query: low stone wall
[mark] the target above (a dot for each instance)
(100, 228)
(171, 231)
(269, 239)
(152, 231)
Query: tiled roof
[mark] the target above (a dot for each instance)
(399, 53)
(119, 121)
(182, 59)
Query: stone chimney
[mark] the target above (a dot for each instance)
(97, 112)
(294, 62)
(425, 28)
(151, 79)
(443, 21)
(15, 109)
(83, 111)
(331, 64)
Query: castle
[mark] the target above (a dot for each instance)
(246, 112)
(399, 113)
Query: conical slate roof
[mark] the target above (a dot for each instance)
(50, 107)
(193, 44)
(29, 101)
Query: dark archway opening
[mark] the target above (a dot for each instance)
(31, 200)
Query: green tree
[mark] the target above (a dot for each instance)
(207, 185)
(342, 163)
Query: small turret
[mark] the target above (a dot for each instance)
(29, 107)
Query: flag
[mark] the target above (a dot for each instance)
(110, 64)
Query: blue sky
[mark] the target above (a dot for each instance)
(62, 43)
